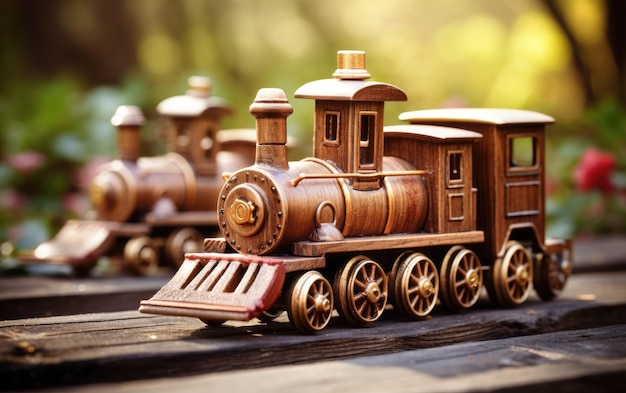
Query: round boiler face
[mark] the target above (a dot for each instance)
(113, 193)
(252, 212)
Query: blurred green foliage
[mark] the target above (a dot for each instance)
(65, 65)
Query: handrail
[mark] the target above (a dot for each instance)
(306, 176)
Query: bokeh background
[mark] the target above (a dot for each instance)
(65, 65)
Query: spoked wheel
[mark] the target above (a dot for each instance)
(361, 286)
(141, 255)
(310, 302)
(551, 274)
(182, 241)
(415, 285)
(461, 279)
(511, 276)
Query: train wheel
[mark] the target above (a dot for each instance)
(361, 286)
(551, 274)
(461, 279)
(512, 276)
(182, 241)
(310, 302)
(141, 255)
(415, 285)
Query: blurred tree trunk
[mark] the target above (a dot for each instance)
(616, 36)
(616, 39)
(49, 49)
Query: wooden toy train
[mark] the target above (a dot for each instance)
(404, 214)
(157, 208)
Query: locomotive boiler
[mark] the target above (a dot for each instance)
(404, 215)
(266, 208)
(151, 209)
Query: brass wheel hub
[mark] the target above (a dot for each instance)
(521, 275)
(426, 287)
(373, 292)
(471, 279)
(321, 304)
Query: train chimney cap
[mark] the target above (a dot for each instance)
(351, 65)
(270, 100)
(128, 115)
(199, 86)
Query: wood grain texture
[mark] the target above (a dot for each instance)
(113, 347)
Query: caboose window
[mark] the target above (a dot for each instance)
(366, 151)
(331, 126)
(522, 152)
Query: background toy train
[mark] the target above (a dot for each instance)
(151, 209)
(404, 214)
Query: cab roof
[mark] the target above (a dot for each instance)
(350, 90)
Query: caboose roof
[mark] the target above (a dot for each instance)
(432, 133)
(350, 90)
(190, 106)
(497, 116)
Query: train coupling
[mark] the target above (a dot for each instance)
(219, 287)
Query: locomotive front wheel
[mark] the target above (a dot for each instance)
(512, 276)
(362, 291)
(310, 302)
(551, 274)
(182, 241)
(141, 256)
(461, 279)
(415, 285)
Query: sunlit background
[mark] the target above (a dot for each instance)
(65, 65)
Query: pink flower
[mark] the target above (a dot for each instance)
(11, 200)
(26, 161)
(551, 185)
(594, 170)
(75, 203)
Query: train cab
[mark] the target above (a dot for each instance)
(508, 171)
(195, 120)
(349, 114)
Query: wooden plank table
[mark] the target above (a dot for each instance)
(575, 341)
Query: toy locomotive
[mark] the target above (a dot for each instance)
(157, 208)
(402, 215)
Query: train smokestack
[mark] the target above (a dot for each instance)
(271, 109)
(128, 119)
(351, 65)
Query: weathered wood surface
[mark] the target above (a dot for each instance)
(32, 297)
(545, 363)
(569, 342)
(122, 346)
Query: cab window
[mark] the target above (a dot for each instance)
(331, 128)
(455, 167)
(522, 152)
(366, 142)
